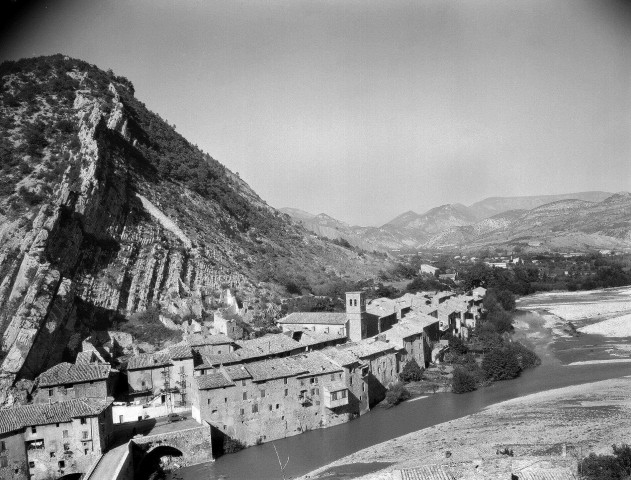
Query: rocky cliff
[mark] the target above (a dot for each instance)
(105, 211)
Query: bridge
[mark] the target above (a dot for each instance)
(138, 458)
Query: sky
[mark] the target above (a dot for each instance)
(365, 109)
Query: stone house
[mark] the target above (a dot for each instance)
(66, 381)
(379, 366)
(353, 374)
(276, 398)
(41, 441)
(412, 340)
(227, 325)
(265, 347)
(211, 344)
(428, 269)
(317, 322)
(148, 376)
(182, 372)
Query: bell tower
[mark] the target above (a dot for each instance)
(356, 316)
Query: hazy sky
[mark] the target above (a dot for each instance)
(365, 109)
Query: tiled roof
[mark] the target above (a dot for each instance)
(419, 319)
(272, 344)
(316, 363)
(274, 368)
(400, 331)
(89, 356)
(318, 318)
(237, 372)
(547, 474)
(198, 340)
(340, 357)
(426, 309)
(213, 380)
(309, 338)
(180, 351)
(367, 348)
(148, 360)
(426, 472)
(21, 416)
(68, 373)
(214, 360)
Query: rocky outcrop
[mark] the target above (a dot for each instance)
(105, 211)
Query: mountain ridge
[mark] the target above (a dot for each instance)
(457, 226)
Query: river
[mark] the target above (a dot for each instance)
(317, 448)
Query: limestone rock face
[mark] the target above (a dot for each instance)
(107, 212)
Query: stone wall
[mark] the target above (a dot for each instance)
(194, 443)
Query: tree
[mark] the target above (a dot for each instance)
(457, 346)
(396, 394)
(411, 372)
(501, 364)
(463, 381)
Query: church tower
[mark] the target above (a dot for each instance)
(356, 316)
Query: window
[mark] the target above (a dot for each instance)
(277, 406)
(255, 408)
(143, 384)
(57, 425)
(65, 434)
(66, 447)
(33, 429)
(350, 380)
(285, 381)
(83, 420)
(263, 393)
(343, 394)
(225, 400)
(333, 395)
(51, 391)
(182, 369)
(312, 380)
(270, 408)
(3, 446)
(242, 412)
(4, 462)
(52, 454)
(61, 464)
(31, 464)
(286, 392)
(312, 391)
(243, 383)
(208, 401)
(332, 377)
(85, 434)
(245, 395)
(85, 451)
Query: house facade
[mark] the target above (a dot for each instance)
(66, 381)
(42, 441)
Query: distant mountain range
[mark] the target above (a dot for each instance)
(568, 221)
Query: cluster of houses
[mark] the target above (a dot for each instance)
(322, 370)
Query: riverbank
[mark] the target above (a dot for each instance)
(585, 418)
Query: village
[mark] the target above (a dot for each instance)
(323, 369)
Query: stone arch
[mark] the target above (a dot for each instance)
(151, 459)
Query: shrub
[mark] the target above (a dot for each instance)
(411, 372)
(501, 364)
(526, 357)
(397, 394)
(609, 467)
(463, 381)
(457, 346)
